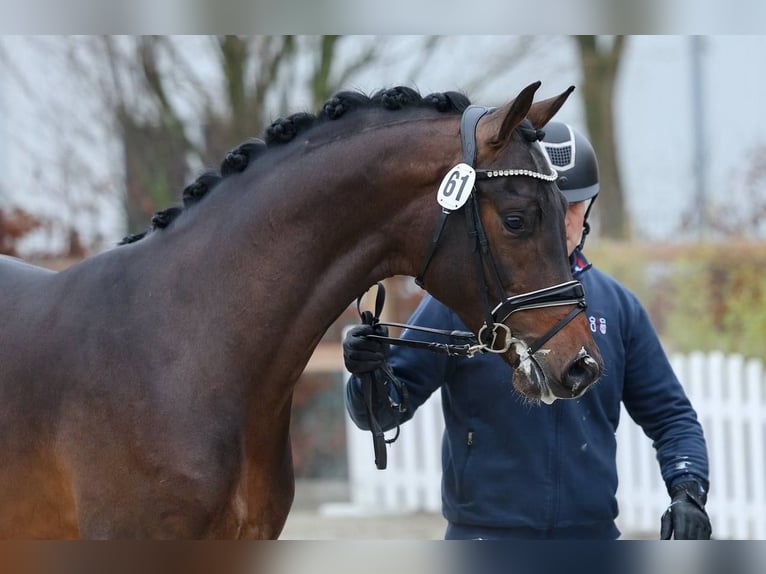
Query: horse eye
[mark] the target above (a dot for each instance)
(514, 223)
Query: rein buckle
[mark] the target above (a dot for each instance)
(496, 327)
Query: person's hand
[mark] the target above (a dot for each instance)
(685, 518)
(362, 355)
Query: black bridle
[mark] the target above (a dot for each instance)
(567, 293)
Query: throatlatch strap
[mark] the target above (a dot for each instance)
(474, 224)
(432, 247)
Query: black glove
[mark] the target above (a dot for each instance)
(363, 355)
(685, 518)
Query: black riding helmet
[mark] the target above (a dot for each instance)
(573, 158)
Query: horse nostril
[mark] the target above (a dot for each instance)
(581, 373)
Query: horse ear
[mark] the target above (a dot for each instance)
(512, 113)
(540, 113)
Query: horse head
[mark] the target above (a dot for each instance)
(516, 276)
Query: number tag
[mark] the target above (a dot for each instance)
(456, 187)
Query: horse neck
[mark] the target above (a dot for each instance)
(304, 240)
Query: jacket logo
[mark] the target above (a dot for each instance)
(597, 324)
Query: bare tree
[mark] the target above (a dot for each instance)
(50, 176)
(154, 78)
(600, 58)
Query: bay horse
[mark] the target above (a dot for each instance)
(145, 392)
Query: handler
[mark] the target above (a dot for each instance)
(512, 469)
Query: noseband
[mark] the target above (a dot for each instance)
(567, 293)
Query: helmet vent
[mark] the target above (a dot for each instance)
(560, 156)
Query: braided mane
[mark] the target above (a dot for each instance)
(284, 130)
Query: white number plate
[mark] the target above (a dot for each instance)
(456, 187)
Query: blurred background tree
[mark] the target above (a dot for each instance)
(173, 113)
(600, 59)
(15, 223)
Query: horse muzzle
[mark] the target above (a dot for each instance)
(534, 378)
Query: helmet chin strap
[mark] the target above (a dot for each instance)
(585, 224)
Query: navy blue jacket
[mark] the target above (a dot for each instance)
(546, 471)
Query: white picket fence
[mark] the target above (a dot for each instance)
(726, 390)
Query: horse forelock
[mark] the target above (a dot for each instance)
(285, 130)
